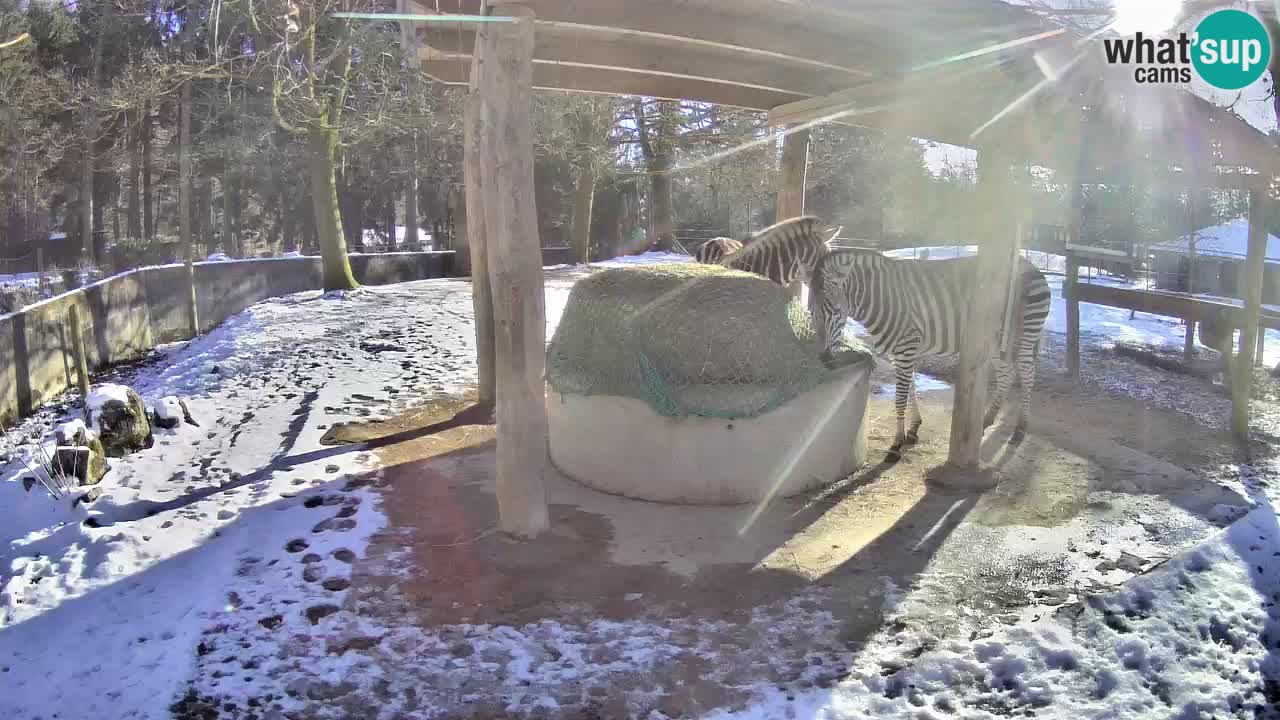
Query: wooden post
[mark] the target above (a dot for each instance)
(473, 256)
(514, 257)
(791, 181)
(1189, 339)
(1073, 316)
(77, 350)
(1242, 387)
(40, 269)
(1262, 341)
(193, 318)
(982, 317)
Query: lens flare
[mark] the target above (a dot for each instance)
(1151, 17)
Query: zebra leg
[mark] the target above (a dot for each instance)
(1004, 378)
(904, 363)
(1027, 351)
(913, 433)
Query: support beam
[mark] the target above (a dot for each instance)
(1069, 291)
(1242, 386)
(982, 317)
(791, 182)
(473, 255)
(514, 256)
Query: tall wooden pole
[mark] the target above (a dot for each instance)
(1242, 386)
(77, 350)
(515, 270)
(1073, 316)
(791, 182)
(474, 256)
(982, 317)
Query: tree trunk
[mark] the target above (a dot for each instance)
(583, 197)
(411, 195)
(204, 212)
(322, 151)
(228, 243)
(184, 173)
(664, 224)
(148, 209)
(135, 180)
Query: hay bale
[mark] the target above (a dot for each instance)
(689, 339)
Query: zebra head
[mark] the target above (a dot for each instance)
(828, 306)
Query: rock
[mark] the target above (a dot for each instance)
(120, 418)
(79, 453)
(168, 413)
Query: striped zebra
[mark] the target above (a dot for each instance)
(916, 308)
(784, 252)
(714, 249)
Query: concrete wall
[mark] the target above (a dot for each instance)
(125, 316)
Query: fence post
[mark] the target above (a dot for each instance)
(77, 350)
(193, 320)
(40, 270)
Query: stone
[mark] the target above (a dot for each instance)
(120, 418)
(79, 453)
(168, 413)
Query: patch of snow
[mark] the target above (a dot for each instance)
(168, 408)
(72, 429)
(100, 395)
(1193, 638)
(218, 257)
(1229, 240)
(647, 258)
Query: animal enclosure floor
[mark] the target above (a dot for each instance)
(790, 600)
(279, 562)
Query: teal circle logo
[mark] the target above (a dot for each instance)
(1232, 49)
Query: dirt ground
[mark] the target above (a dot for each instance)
(1105, 486)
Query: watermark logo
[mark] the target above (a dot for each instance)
(1229, 49)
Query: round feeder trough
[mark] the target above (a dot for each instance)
(700, 385)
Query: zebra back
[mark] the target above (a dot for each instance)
(784, 252)
(713, 250)
(888, 296)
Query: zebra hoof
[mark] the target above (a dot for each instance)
(895, 452)
(1019, 434)
(911, 438)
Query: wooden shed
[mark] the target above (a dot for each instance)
(979, 73)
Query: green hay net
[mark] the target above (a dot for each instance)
(688, 339)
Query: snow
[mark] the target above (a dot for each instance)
(1230, 239)
(218, 257)
(73, 429)
(100, 395)
(374, 237)
(1191, 639)
(168, 408)
(102, 621)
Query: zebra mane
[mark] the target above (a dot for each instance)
(797, 230)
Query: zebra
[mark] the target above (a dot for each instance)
(716, 248)
(784, 252)
(916, 308)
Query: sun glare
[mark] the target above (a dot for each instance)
(1148, 16)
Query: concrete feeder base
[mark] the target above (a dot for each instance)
(621, 446)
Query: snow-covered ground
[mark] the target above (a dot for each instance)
(102, 618)
(218, 559)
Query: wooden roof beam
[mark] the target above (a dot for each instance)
(611, 81)
(727, 24)
(626, 52)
